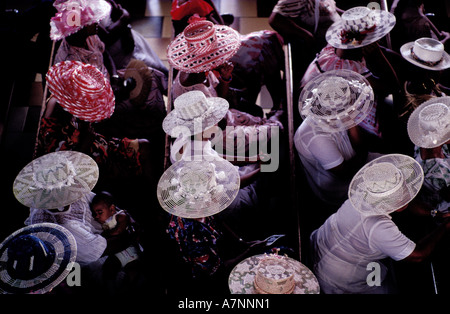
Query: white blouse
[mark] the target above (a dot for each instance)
(79, 221)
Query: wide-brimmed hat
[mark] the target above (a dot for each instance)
(336, 100)
(202, 46)
(73, 15)
(429, 124)
(426, 53)
(385, 184)
(142, 76)
(198, 188)
(36, 258)
(55, 180)
(193, 113)
(242, 277)
(359, 27)
(82, 90)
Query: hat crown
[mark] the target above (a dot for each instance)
(197, 178)
(358, 18)
(191, 105)
(53, 172)
(428, 50)
(275, 267)
(434, 117)
(88, 78)
(28, 257)
(200, 36)
(382, 179)
(333, 92)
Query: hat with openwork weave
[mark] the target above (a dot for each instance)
(429, 124)
(198, 188)
(82, 90)
(55, 180)
(336, 100)
(202, 46)
(385, 184)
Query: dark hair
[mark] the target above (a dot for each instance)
(102, 197)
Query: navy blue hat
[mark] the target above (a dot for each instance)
(36, 258)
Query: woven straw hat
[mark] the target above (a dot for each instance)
(73, 15)
(336, 100)
(198, 188)
(55, 180)
(429, 124)
(36, 258)
(202, 46)
(82, 90)
(242, 277)
(426, 53)
(359, 27)
(193, 113)
(385, 184)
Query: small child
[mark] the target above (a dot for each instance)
(120, 232)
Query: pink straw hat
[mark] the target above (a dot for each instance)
(202, 46)
(73, 15)
(82, 90)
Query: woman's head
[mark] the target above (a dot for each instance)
(102, 206)
(202, 46)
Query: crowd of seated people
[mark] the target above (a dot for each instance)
(205, 172)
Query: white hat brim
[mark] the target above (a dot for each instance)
(405, 50)
(413, 178)
(218, 108)
(413, 125)
(385, 23)
(182, 207)
(362, 100)
(31, 195)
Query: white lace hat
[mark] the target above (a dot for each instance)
(193, 113)
(427, 53)
(429, 124)
(36, 258)
(198, 188)
(242, 278)
(359, 26)
(336, 100)
(55, 180)
(385, 184)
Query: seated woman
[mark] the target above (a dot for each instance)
(72, 128)
(358, 238)
(365, 56)
(254, 60)
(66, 205)
(139, 90)
(329, 141)
(432, 153)
(194, 119)
(197, 73)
